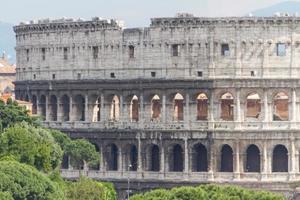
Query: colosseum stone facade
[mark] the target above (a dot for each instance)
(187, 100)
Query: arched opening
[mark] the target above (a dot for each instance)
(202, 107)
(252, 159)
(134, 109)
(227, 107)
(34, 105)
(53, 108)
(155, 107)
(199, 158)
(280, 159)
(226, 159)
(65, 104)
(115, 108)
(133, 158)
(253, 106)
(178, 107)
(42, 107)
(154, 159)
(112, 157)
(176, 159)
(96, 110)
(65, 162)
(281, 107)
(95, 166)
(79, 108)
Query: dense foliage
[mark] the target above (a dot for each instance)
(25, 182)
(207, 192)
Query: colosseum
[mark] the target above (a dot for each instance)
(187, 100)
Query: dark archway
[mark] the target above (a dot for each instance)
(65, 162)
(65, 105)
(199, 158)
(252, 159)
(133, 158)
(280, 159)
(112, 157)
(79, 108)
(155, 159)
(176, 159)
(34, 105)
(226, 159)
(53, 108)
(42, 107)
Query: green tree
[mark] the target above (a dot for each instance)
(31, 145)
(86, 188)
(11, 113)
(25, 182)
(5, 196)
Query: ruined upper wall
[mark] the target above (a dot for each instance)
(182, 47)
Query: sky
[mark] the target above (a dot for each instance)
(135, 13)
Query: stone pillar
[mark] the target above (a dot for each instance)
(265, 166)
(237, 161)
(211, 110)
(186, 156)
(121, 114)
(86, 108)
(71, 118)
(211, 55)
(139, 161)
(164, 108)
(292, 166)
(141, 111)
(38, 110)
(120, 161)
(238, 110)
(294, 108)
(103, 116)
(187, 110)
(162, 159)
(47, 108)
(59, 109)
(101, 162)
(266, 110)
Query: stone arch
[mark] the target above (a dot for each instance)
(178, 112)
(131, 157)
(202, 106)
(115, 108)
(134, 109)
(65, 108)
(111, 157)
(42, 106)
(34, 104)
(227, 107)
(281, 107)
(280, 161)
(199, 158)
(95, 107)
(226, 159)
(53, 108)
(176, 158)
(155, 107)
(79, 108)
(154, 158)
(96, 166)
(253, 105)
(252, 159)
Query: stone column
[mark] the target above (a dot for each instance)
(120, 167)
(121, 114)
(187, 110)
(266, 110)
(264, 162)
(139, 161)
(38, 111)
(103, 116)
(162, 159)
(211, 110)
(292, 167)
(86, 108)
(294, 108)
(59, 109)
(164, 108)
(238, 109)
(186, 156)
(237, 161)
(47, 108)
(141, 111)
(71, 118)
(211, 55)
(101, 162)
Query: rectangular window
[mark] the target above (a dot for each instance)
(225, 50)
(53, 76)
(27, 55)
(34, 76)
(95, 52)
(78, 76)
(200, 74)
(175, 50)
(252, 73)
(153, 74)
(131, 51)
(112, 75)
(65, 53)
(43, 54)
(281, 49)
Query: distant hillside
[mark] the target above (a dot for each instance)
(290, 7)
(7, 40)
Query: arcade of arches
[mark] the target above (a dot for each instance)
(162, 108)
